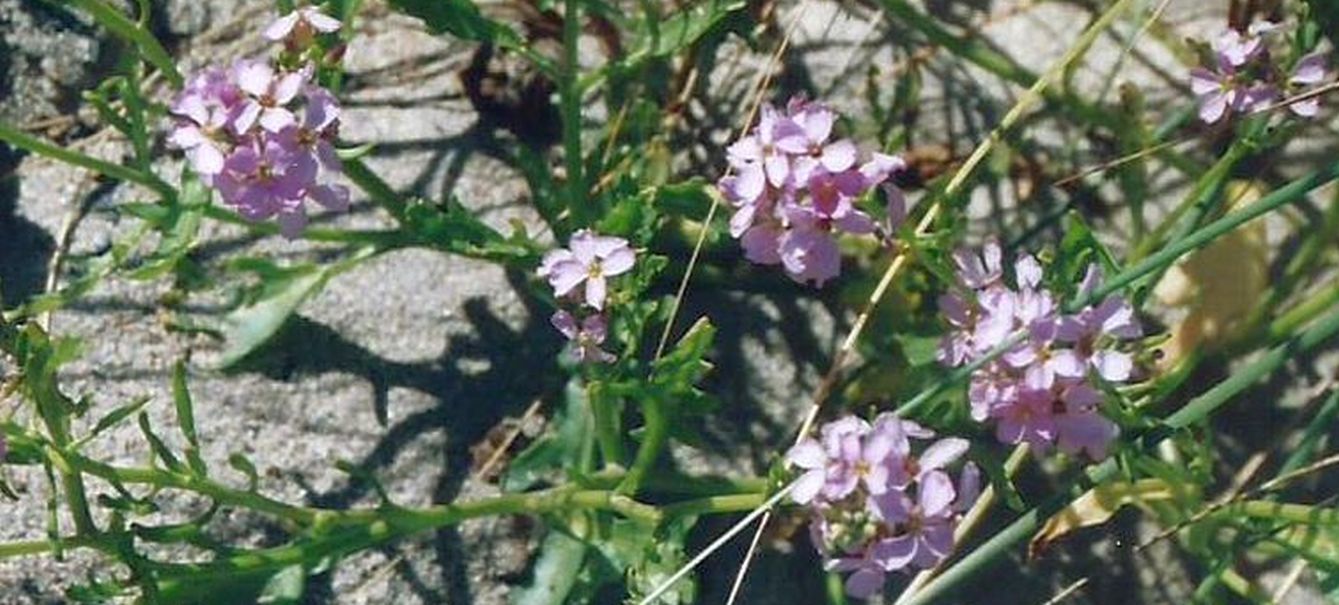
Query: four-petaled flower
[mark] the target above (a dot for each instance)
(858, 480)
(301, 24)
(586, 337)
(794, 191)
(591, 259)
(1039, 389)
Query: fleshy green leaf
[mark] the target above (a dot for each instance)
(285, 587)
(555, 573)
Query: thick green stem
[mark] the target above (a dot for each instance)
(1202, 199)
(379, 190)
(359, 530)
(1304, 514)
(607, 432)
(1284, 195)
(715, 504)
(653, 440)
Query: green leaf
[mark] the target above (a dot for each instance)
(156, 444)
(661, 558)
(685, 27)
(1326, 13)
(282, 291)
(992, 463)
(115, 417)
(243, 465)
(689, 199)
(178, 222)
(460, 18)
(1078, 249)
(181, 396)
(560, 560)
(285, 587)
(919, 350)
(454, 228)
(562, 447)
(684, 365)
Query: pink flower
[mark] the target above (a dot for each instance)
(268, 93)
(927, 523)
(301, 22)
(1037, 391)
(1236, 50)
(979, 270)
(591, 260)
(857, 480)
(794, 190)
(204, 109)
(810, 256)
(1309, 71)
(586, 338)
(265, 180)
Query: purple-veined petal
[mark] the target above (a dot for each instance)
(292, 222)
(595, 327)
(865, 583)
(281, 27)
(333, 197)
(565, 324)
(255, 77)
(943, 453)
(320, 21)
(596, 290)
(618, 261)
(206, 159)
(838, 156)
(1114, 366)
(807, 454)
(566, 276)
(1213, 106)
(807, 487)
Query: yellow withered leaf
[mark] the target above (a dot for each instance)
(1096, 507)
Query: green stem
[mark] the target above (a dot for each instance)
(731, 503)
(1286, 194)
(607, 432)
(1310, 441)
(570, 100)
(22, 140)
(218, 492)
(375, 187)
(653, 440)
(1203, 198)
(384, 239)
(1304, 514)
(1304, 312)
(360, 530)
(122, 26)
(72, 481)
(26, 548)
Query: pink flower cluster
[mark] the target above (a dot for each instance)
(876, 506)
(1244, 79)
(591, 260)
(794, 190)
(263, 138)
(1041, 391)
